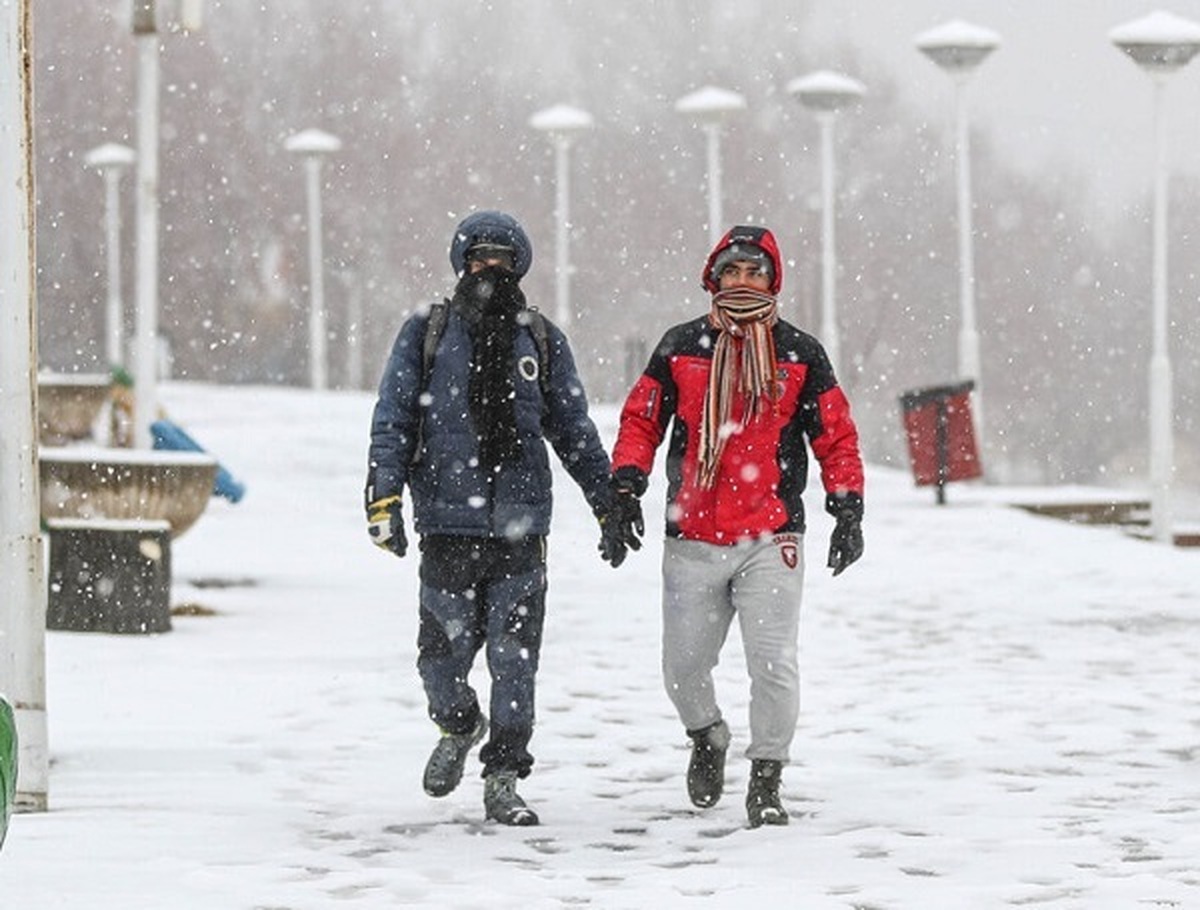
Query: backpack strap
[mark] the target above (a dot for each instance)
(541, 337)
(439, 313)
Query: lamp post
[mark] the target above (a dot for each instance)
(111, 159)
(561, 123)
(145, 22)
(958, 48)
(825, 93)
(1161, 44)
(145, 359)
(22, 581)
(709, 106)
(314, 145)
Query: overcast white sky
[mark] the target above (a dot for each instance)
(1056, 93)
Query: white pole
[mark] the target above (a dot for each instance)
(562, 266)
(829, 324)
(1161, 442)
(354, 316)
(969, 365)
(146, 355)
(22, 583)
(715, 219)
(317, 335)
(112, 242)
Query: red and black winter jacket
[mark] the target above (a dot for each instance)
(764, 467)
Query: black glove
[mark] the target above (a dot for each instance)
(846, 541)
(621, 527)
(385, 524)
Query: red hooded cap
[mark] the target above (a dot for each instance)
(740, 236)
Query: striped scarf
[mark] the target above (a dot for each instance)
(743, 364)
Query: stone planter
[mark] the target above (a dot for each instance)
(68, 405)
(126, 485)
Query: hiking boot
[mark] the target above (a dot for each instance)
(444, 769)
(501, 802)
(762, 797)
(706, 770)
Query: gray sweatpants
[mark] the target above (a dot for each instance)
(704, 586)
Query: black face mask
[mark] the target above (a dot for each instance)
(491, 292)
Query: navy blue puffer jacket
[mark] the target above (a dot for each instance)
(451, 494)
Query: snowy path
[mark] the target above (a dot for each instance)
(998, 711)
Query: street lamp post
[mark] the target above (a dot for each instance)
(22, 580)
(709, 106)
(145, 22)
(561, 122)
(314, 145)
(145, 359)
(111, 159)
(825, 93)
(1161, 44)
(958, 48)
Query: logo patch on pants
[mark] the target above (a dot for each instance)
(789, 549)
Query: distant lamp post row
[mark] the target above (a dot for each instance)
(1161, 44)
(112, 159)
(958, 48)
(823, 92)
(313, 145)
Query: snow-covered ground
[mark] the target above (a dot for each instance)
(998, 710)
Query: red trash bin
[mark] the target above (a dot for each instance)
(941, 435)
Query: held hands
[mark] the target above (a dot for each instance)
(621, 527)
(385, 524)
(846, 541)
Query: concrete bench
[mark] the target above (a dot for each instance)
(1130, 512)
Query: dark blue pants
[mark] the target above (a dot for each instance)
(476, 592)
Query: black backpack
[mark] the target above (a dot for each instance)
(439, 314)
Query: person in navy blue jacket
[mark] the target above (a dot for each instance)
(473, 390)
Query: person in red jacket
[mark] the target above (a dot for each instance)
(740, 392)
